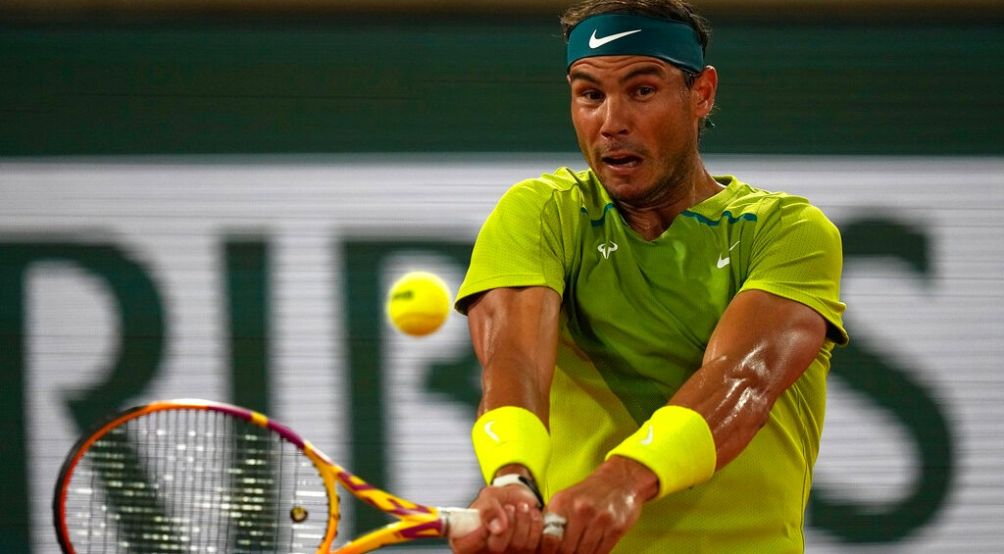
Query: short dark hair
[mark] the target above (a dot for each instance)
(673, 10)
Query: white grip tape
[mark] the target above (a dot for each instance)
(461, 521)
(554, 525)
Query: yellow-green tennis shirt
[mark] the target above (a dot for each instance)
(636, 318)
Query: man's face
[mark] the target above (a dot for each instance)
(637, 122)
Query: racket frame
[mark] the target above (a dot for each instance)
(414, 521)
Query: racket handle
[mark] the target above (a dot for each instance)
(460, 521)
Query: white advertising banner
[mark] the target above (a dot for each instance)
(124, 279)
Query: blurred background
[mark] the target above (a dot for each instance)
(211, 198)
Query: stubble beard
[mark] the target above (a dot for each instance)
(669, 187)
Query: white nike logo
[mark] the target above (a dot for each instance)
(595, 42)
(648, 440)
(490, 433)
(722, 262)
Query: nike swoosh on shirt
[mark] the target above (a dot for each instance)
(596, 42)
(722, 262)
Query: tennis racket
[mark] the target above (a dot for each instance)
(194, 476)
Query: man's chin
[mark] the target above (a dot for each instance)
(621, 186)
(628, 194)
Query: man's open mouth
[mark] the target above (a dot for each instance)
(622, 160)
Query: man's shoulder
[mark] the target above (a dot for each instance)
(564, 188)
(560, 180)
(743, 198)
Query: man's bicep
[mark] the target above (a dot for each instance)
(771, 336)
(515, 335)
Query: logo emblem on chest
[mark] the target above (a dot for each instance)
(607, 248)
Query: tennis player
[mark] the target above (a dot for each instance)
(655, 340)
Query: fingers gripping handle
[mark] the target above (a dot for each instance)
(461, 521)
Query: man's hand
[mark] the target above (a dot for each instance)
(602, 508)
(511, 522)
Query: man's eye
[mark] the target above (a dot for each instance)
(646, 91)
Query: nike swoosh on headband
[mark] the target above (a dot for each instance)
(595, 42)
(620, 34)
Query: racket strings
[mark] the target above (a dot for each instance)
(195, 481)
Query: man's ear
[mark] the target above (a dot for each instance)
(704, 90)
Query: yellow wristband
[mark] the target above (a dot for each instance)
(511, 435)
(676, 444)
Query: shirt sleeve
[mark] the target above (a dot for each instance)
(519, 245)
(798, 255)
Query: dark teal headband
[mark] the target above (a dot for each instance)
(626, 34)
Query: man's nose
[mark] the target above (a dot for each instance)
(616, 118)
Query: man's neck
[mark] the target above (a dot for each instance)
(651, 221)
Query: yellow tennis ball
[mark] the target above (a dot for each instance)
(418, 303)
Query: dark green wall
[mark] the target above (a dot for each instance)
(362, 84)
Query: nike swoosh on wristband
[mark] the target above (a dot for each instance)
(595, 42)
(648, 439)
(490, 433)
